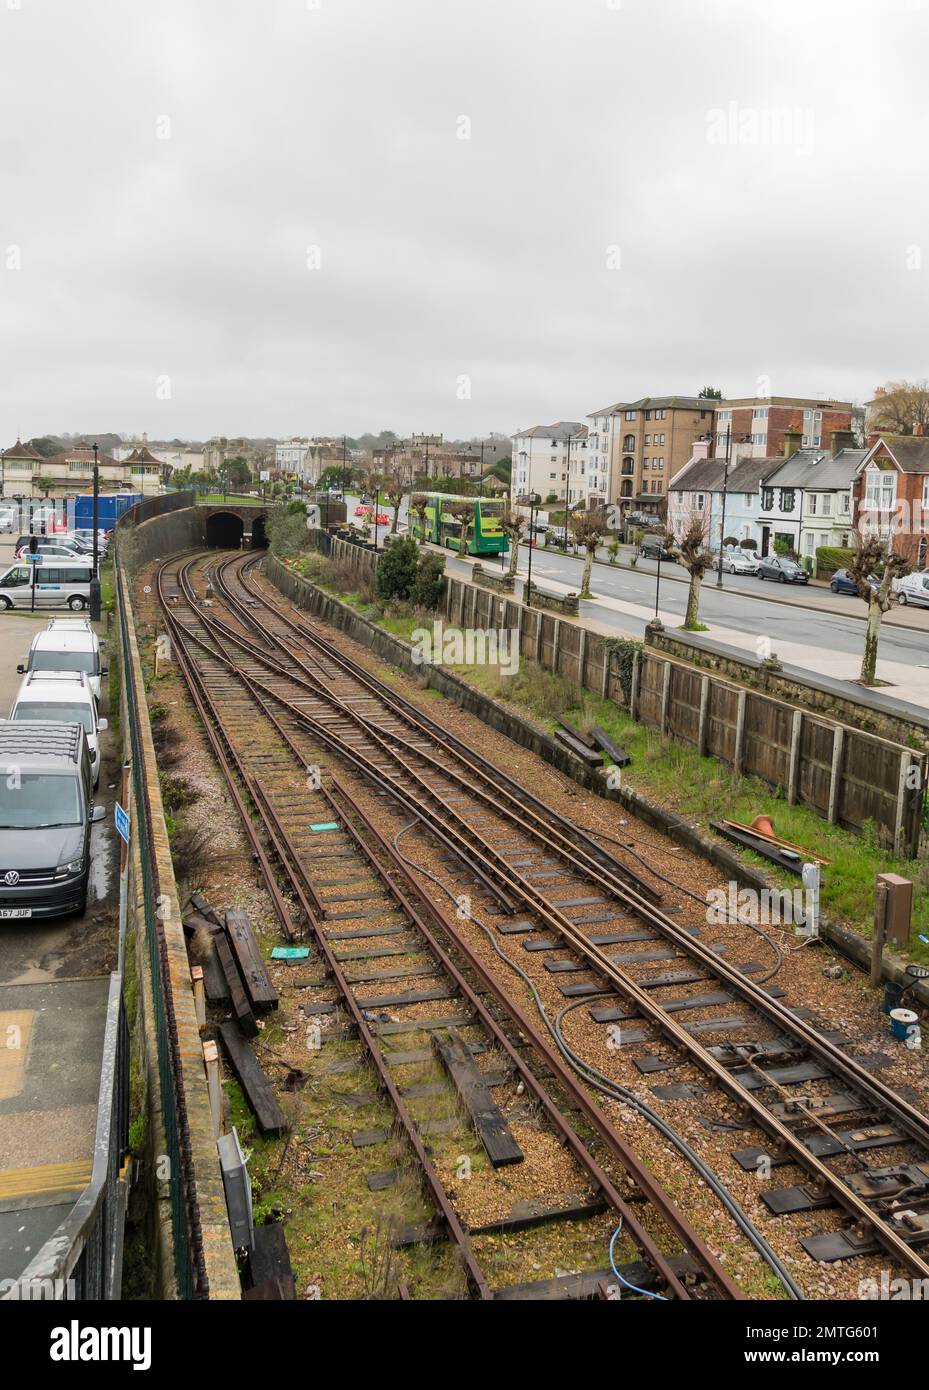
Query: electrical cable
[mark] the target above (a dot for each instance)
(614, 1090)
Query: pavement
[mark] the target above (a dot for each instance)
(54, 979)
(817, 632)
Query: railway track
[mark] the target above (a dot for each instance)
(337, 881)
(550, 886)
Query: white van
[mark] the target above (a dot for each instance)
(58, 584)
(61, 697)
(67, 644)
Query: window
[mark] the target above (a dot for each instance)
(632, 414)
(648, 414)
(811, 502)
(760, 414)
(827, 505)
(15, 577)
(661, 440)
(808, 415)
(648, 439)
(767, 499)
(817, 441)
(724, 415)
(629, 444)
(926, 492)
(788, 497)
(881, 492)
(844, 499)
(700, 501)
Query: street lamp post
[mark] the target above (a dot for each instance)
(658, 583)
(377, 507)
(534, 499)
(95, 606)
(494, 449)
(722, 523)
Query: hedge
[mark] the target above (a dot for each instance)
(830, 558)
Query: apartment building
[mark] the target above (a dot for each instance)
(290, 455)
(637, 447)
(542, 457)
(765, 421)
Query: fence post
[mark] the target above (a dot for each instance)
(607, 660)
(665, 695)
(538, 635)
(900, 838)
(556, 645)
(835, 779)
(793, 765)
(637, 660)
(739, 731)
(582, 658)
(704, 711)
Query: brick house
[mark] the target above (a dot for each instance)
(767, 420)
(891, 494)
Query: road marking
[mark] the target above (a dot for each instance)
(15, 1032)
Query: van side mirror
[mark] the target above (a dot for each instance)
(98, 813)
(20, 670)
(104, 670)
(101, 724)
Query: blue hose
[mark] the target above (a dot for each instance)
(625, 1282)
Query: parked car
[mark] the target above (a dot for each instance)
(842, 583)
(49, 550)
(9, 518)
(780, 568)
(85, 537)
(62, 542)
(656, 548)
(67, 644)
(740, 562)
(46, 812)
(55, 584)
(913, 588)
(61, 697)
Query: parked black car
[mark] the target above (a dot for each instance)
(780, 568)
(655, 547)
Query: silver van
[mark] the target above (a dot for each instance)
(58, 584)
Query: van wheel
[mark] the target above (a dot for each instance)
(76, 603)
(903, 599)
(6, 603)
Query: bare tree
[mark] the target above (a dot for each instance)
(901, 407)
(696, 559)
(588, 530)
(418, 504)
(874, 568)
(463, 512)
(514, 524)
(394, 492)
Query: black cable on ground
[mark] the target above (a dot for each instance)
(602, 1083)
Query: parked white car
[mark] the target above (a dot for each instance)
(913, 588)
(61, 697)
(67, 644)
(740, 562)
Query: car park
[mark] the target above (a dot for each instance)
(913, 588)
(779, 567)
(656, 548)
(57, 547)
(67, 644)
(61, 697)
(46, 584)
(46, 812)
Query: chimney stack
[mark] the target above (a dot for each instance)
(792, 442)
(842, 439)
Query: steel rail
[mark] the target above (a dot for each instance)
(640, 1175)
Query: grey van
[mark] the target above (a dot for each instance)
(46, 811)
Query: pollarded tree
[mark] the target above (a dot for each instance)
(514, 524)
(418, 504)
(873, 570)
(588, 530)
(463, 512)
(394, 493)
(696, 559)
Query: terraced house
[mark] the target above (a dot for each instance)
(891, 493)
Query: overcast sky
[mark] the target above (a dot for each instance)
(275, 216)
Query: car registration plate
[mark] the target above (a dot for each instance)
(15, 911)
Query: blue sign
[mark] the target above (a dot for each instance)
(122, 821)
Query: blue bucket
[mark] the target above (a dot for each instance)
(901, 1021)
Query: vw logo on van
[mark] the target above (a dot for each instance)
(11, 877)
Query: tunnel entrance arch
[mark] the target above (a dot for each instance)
(225, 530)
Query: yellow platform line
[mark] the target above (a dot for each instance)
(48, 1177)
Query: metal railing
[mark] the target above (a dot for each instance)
(189, 1267)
